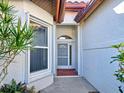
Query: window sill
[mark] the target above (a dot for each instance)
(38, 75)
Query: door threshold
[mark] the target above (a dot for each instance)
(65, 76)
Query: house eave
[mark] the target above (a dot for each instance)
(85, 13)
(60, 11)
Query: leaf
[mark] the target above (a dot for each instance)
(120, 60)
(122, 44)
(113, 60)
(116, 46)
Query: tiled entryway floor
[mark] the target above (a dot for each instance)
(70, 85)
(66, 72)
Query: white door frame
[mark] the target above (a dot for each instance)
(68, 42)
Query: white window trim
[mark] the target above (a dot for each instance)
(43, 73)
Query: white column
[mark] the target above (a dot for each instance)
(54, 50)
(79, 50)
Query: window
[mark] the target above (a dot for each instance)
(64, 37)
(39, 52)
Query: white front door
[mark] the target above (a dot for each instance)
(64, 57)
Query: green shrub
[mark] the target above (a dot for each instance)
(119, 58)
(15, 87)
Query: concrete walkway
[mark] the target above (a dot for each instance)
(70, 85)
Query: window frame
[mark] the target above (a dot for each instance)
(45, 72)
(68, 37)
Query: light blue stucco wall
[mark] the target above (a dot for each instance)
(101, 30)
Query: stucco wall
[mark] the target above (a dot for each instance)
(33, 9)
(18, 69)
(101, 30)
(66, 30)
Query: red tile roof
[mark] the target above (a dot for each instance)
(75, 6)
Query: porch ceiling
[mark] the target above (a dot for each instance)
(58, 7)
(54, 7)
(48, 5)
